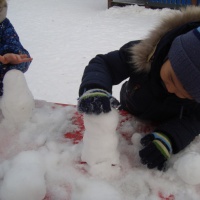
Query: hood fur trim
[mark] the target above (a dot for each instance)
(143, 51)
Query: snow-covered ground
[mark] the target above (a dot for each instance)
(36, 161)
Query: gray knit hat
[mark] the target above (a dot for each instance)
(184, 56)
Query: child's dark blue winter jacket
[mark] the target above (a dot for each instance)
(144, 95)
(10, 43)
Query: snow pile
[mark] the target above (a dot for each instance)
(17, 103)
(187, 168)
(95, 189)
(24, 178)
(38, 160)
(100, 143)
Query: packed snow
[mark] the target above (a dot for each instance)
(101, 129)
(17, 102)
(38, 160)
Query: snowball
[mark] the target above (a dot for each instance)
(25, 179)
(135, 139)
(188, 168)
(17, 102)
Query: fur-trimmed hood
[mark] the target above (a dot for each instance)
(142, 52)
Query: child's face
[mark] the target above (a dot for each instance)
(172, 84)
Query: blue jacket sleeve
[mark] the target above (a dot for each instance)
(180, 131)
(10, 43)
(107, 70)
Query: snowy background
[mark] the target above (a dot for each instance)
(36, 161)
(62, 36)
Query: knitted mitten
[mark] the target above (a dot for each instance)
(96, 101)
(157, 150)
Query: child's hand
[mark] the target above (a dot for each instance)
(11, 58)
(157, 150)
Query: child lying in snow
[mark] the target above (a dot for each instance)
(14, 59)
(163, 85)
